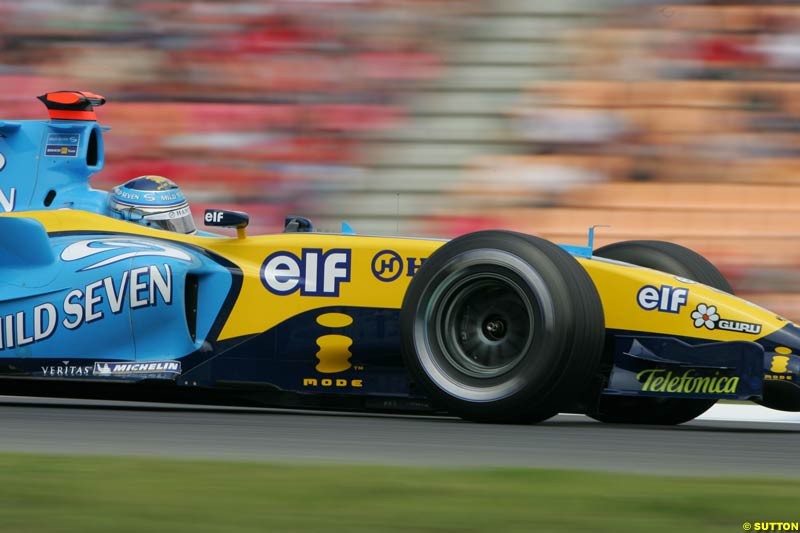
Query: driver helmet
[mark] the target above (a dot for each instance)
(152, 201)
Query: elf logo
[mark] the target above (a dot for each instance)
(214, 216)
(314, 273)
(665, 299)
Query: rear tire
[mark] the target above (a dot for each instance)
(673, 259)
(502, 327)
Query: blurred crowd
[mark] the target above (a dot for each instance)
(681, 91)
(240, 101)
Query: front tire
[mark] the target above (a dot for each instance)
(502, 327)
(673, 259)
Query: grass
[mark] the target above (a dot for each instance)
(102, 494)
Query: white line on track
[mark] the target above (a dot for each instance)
(748, 413)
(727, 412)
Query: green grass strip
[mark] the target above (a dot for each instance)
(103, 494)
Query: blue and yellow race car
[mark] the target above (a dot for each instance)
(116, 295)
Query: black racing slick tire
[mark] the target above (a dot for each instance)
(502, 327)
(673, 259)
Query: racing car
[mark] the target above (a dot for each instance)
(493, 326)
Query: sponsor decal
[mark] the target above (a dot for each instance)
(334, 320)
(315, 273)
(138, 197)
(388, 265)
(333, 383)
(334, 348)
(413, 264)
(780, 364)
(145, 367)
(660, 380)
(778, 377)
(66, 370)
(334, 353)
(707, 316)
(139, 287)
(665, 299)
(214, 216)
(62, 144)
(21, 329)
(8, 200)
(176, 213)
(116, 250)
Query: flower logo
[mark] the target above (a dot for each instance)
(705, 315)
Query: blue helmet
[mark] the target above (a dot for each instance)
(152, 201)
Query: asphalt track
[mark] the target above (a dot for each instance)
(704, 447)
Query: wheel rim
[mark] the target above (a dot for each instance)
(486, 269)
(484, 324)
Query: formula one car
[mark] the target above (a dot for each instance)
(493, 326)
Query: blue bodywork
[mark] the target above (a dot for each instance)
(48, 165)
(101, 298)
(97, 299)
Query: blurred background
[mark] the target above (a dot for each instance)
(674, 121)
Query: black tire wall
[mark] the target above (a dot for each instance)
(518, 274)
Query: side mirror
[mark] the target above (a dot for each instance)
(222, 218)
(293, 224)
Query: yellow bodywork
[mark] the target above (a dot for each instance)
(257, 309)
(619, 285)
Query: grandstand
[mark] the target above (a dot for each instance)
(243, 102)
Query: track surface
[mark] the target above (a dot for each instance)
(698, 448)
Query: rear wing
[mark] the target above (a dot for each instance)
(46, 164)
